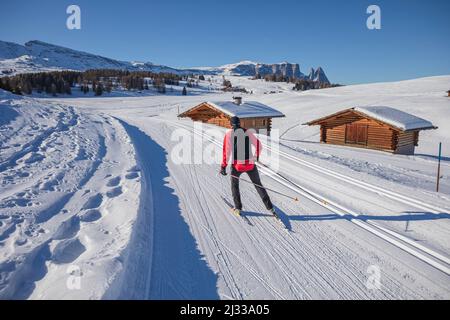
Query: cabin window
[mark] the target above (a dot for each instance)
(264, 122)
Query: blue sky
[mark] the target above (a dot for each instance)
(413, 41)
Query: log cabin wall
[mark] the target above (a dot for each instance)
(350, 127)
(205, 113)
(257, 124)
(406, 141)
(333, 129)
(219, 120)
(376, 135)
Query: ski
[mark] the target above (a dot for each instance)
(280, 222)
(246, 220)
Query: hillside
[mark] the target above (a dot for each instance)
(90, 187)
(37, 56)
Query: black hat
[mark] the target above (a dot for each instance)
(235, 121)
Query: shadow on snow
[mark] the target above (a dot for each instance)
(407, 216)
(163, 260)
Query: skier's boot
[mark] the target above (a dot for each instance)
(274, 213)
(236, 212)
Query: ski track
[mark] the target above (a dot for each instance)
(96, 188)
(185, 127)
(290, 284)
(376, 190)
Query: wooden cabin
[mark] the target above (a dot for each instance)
(253, 115)
(379, 128)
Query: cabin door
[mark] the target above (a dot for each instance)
(361, 134)
(356, 134)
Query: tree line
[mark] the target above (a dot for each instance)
(97, 81)
(299, 83)
(306, 84)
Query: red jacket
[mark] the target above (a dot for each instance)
(229, 147)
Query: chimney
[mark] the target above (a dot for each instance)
(237, 100)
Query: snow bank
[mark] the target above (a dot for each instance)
(67, 204)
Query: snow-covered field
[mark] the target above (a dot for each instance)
(92, 205)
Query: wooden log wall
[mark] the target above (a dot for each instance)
(206, 114)
(379, 136)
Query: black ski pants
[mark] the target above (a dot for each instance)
(254, 177)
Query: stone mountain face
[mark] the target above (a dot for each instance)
(286, 69)
(318, 75)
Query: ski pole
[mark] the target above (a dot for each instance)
(288, 180)
(258, 185)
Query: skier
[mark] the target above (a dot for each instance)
(238, 142)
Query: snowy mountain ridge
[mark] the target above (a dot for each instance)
(35, 56)
(251, 68)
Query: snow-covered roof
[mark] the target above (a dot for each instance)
(247, 109)
(395, 118)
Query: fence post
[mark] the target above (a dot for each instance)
(439, 167)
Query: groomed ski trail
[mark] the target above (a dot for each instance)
(281, 266)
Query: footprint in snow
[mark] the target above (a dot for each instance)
(90, 215)
(19, 202)
(35, 157)
(114, 192)
(131, 175)
(67, 251)
(134, 169)
(114, 182)
(93, 202)
(68, 228)
(23, 174)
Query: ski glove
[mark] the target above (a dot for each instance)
(223, 171)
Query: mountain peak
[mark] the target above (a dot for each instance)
(318, 75)
(36, 55)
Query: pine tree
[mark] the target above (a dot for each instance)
(53, 89)
(26, 88)
(99, 90)
(108, 87)
(17, 90)
(7, 85)
(184, 93)
(67, 88)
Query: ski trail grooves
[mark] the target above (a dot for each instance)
(229, 276)
(164, 261)
(427, 255)
(364, 185)
(275, 261)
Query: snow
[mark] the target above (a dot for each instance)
(58, 208)
(396, 118)
(89, 191)
(247, 109)
(36, 56)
